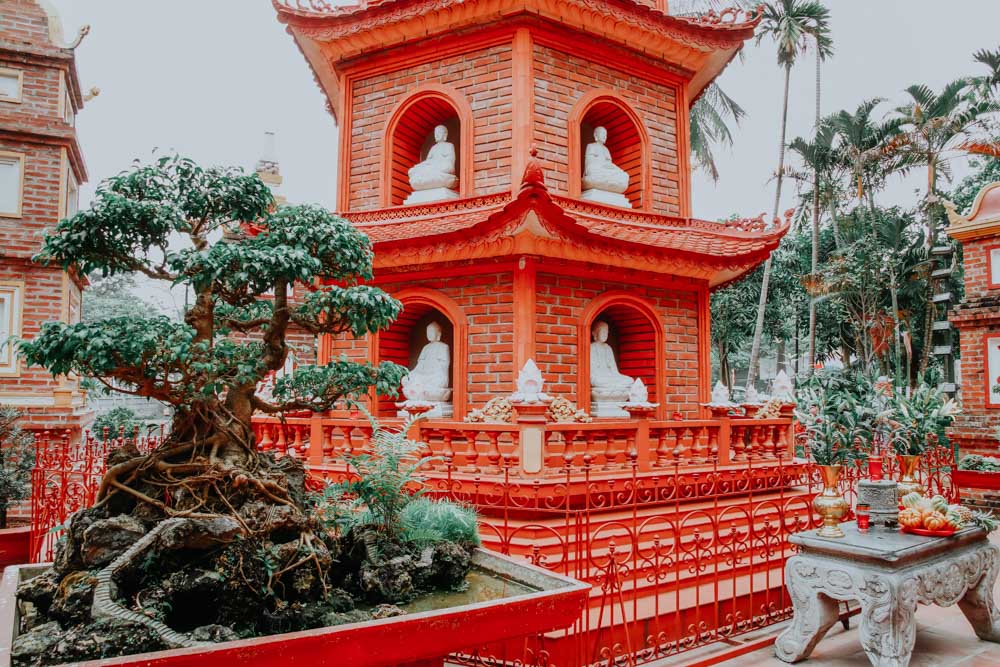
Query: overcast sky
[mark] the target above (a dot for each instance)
(207, 77)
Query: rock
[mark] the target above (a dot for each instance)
(30, 646)
(295, 617)
(281, 522)
(67, 557)
(422, 571)
(339, 600)
(73, 599)
(200, 534)
(40, 590)
(386, 611)
(214, 633)
(154, 602)
(294, 475)
(103, 639)
(452, 563)
(354, 616)
(105, 539)
(389, 581)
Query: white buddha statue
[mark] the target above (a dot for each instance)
(608, 388)
(603, 180)
(428, 381)
(434, 179)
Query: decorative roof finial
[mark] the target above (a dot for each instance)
(533, 174)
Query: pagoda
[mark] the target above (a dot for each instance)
(523, 171)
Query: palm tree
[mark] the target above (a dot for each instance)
(789, 23)
(710, 117)
(934, 128)
(821, 55)
(862, 144)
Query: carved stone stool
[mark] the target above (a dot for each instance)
(889, 573)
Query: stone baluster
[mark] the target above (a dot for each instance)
(493, 455)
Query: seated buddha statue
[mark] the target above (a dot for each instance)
(428, 380)
(603, 180)
(608, 388)
(434, 179)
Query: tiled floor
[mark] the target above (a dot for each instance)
(944, 639)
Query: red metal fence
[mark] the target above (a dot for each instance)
(679, 555)
(66, 478)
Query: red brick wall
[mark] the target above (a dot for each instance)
(559, 308)
(483, 77)
(976, 265)
(561, 79)
(24, 23)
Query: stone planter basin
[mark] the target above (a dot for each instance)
(15, 543)
(521, 600)
(976, 479)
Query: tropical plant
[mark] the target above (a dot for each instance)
(932, 129)
(920, 417)
(387, 479)
(836, 418)
(428, 521)
(710, 118)
(861, 147)
(979, 463)
(789, 23)
(17, 458)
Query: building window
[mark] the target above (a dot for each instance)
(68, 115)
(10, 325)
(11, 84)
(11, 184)
(72, 193)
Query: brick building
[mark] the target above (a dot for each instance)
(976, 429)
(41, 168)
(519, 266)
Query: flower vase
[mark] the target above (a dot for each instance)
(908, 483)
(830, 504)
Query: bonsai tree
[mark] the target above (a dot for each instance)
(218, 232)
(17, 457)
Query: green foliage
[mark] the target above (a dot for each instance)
(427, 521)
(112, 297)
(840, 413)
(979, 463)
(241, 281)
(387, 494)
(387, 480)
(794, 23)
(17, 458)
(116, 420)
(920, 417)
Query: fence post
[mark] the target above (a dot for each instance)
(640, 415)
(530, 418)
(315, 456)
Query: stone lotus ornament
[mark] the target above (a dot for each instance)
(638, 395)
(428, 380)
(720, 394)
(782, 388)
(529, 385)
(608, 388)
(751, 396)
(434, 179)
(603, 180)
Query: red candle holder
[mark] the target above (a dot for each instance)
(875, 468)
(863, 517)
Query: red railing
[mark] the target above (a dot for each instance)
(66, 477)
(603, 445)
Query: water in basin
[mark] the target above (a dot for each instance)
(483, 586)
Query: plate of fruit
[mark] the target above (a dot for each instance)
(935, 517)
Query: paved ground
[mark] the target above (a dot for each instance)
(944, 639)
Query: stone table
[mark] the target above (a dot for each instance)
(889, 573)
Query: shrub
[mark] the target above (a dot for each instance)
(979, 463)
(428, 521)
(116, 421)
(17, 457)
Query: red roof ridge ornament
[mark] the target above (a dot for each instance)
(534, 176)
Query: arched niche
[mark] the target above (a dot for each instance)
(401, 343)
(636, 336)
(627, 142)
(409, 135)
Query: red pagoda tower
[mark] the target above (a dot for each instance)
(523, 171)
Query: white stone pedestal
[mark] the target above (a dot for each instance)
(440, 410)
(605, 197)
(611, 408)
(434, 194)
